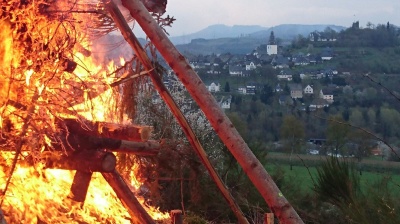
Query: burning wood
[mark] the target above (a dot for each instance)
(58, 107)
(125, 194)
(83, 142)
(108, 130)
(85, 161)
(80, 186)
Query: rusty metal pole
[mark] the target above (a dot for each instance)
(220, 122)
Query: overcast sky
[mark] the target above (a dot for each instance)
(194, 15)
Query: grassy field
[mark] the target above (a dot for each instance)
(304, 176)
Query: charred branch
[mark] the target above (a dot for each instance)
(127, 197)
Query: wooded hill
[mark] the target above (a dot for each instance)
(366, 101)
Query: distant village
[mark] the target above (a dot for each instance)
(271, 54)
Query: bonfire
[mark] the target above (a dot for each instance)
(63, 117)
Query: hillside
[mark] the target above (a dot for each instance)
(218, 31)
(241, 45)
(290, 31)
(239, 40)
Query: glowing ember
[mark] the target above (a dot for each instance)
(46, 74)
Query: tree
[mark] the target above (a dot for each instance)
(266, 94)
(299, 42)
(362, 147)
(370, 25)
(329, 32)
(292, 132)
(337, 133)
(227, 88)
(340, 81)
(356, 117)
(296, 78)
(239, 123)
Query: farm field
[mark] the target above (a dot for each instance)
(304, 170)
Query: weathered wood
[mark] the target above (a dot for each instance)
(164, 93)
(269, 218)
(219, 121)
(79, 142)
(106, 130)
(80, 186)
(176, 217)
(148, 148)
(85, 161)
(127, 197)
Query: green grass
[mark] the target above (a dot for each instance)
(301, 176)
(298, 174)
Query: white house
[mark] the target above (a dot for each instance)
(326, 95)
(235, 71)
(242, 90)
(214, 87)
(251, 88)
(284, 77)
(278, 88)
(326, 54)
(197, 65)
(296, 91)
(226, 103)
(272, 49)
(250, 66)
(308, 90)
(318, 104)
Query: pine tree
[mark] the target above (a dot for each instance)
(227, 87)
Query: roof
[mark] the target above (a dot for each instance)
(320, 102)
(236, 68)
(327, 91)
(295, 87)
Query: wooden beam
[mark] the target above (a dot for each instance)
(78, 142)
(106, 130)
(80, 186)
(148, 148)
(269, 218)
(176, 217)
(219, 121)
(164, 93)
(127, 197)
(85, 161)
